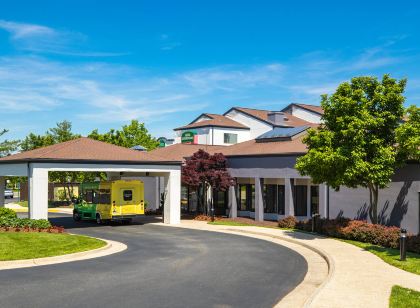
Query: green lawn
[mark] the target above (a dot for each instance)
(404, 298)
(229, 223)
(20, 245)
(23, 203)
(392, 256)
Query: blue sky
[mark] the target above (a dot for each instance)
(100, 64)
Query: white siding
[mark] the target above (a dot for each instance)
(257, 127)
(306, 115)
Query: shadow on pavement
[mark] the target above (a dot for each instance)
(67, 222)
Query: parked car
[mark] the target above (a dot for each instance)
(8, 193)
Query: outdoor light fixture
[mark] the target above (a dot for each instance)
(403, 244)
(314, 216)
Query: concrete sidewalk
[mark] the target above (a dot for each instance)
(357, 278)
(22, 209)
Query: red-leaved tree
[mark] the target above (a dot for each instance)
(206, 171)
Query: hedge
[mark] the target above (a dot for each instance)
(7, 213)
(356, 230)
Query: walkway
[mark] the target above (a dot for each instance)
(357, 278)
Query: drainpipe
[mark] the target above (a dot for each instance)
(328, 202)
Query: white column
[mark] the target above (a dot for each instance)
(38, 193)
(308, 202)
(323, 195)
(259, 205)
(289, 208)
(2, 188)
(172, 210)
(233, 206)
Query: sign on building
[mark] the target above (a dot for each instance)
(188, 137)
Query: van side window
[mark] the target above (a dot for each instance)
(128, 195)
(104, 196)
(89, 196)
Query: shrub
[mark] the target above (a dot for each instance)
(36, 224)
(288, 222)
(8, 213)
(413, 243)
(361, 231)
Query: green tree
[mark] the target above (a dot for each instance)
(408, 135)
(130, 135)
(7, 146)
(62, 132)
(356, 144)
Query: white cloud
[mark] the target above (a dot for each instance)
(45, 40)
(24, 30)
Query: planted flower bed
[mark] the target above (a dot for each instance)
(9, 222)
(356, 230)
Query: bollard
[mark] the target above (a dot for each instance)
(314, 216)
(403, 244)
(212, 213)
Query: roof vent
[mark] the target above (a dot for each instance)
(139, 148)
(277, 118)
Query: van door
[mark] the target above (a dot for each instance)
(127, 201)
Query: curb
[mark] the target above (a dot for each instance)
(111, 247)
(323, 254)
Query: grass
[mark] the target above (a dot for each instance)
(20, 245)
(404, 298)
(23, 203)
(392, 256)
(228, 223)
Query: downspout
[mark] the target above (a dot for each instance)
(28, 170)
(328, 202)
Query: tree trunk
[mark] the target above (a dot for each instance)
(373, 199)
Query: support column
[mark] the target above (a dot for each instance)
(233, 206)
(172, 210)
(289, 207)
(323, 200)
(259, 205)
(38, 193)
(308, 202)
(2, 188)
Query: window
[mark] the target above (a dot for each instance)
(246, 197)
(92, 196)
(274, 198)
(314, 199)
(230, 138)
(104, 196)
(300, 200)
(128, 195)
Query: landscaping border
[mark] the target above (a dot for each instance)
(111, 247)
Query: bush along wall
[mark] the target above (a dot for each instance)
(356, 230)
(11, 223)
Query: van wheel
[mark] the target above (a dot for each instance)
(76, 216)
(98, 219)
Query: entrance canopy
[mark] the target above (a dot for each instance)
(89, 155)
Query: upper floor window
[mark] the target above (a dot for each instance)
(230, 138)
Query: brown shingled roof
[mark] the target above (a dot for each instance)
(253, 148)
(263, 115)
(85, 150)
(180, 151)
(215, 120)
(314, 108)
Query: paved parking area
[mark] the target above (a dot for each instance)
(162, 267)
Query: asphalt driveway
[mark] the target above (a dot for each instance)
(162, 267)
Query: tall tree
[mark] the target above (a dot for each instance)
(356, 144)
(7, 146)
(130, 135)
(206, 171)
(60, 133)
(408, 135)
